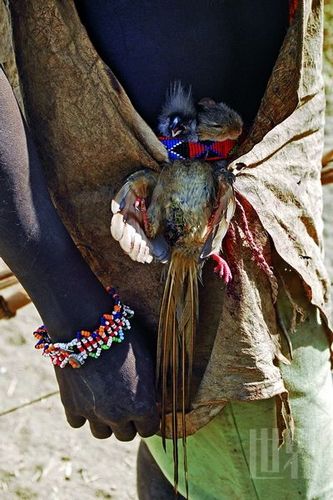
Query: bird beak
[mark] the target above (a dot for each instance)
(175, 132)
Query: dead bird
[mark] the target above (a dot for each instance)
(185, 211)
(217, 121)
(178, 117)
(179, 216)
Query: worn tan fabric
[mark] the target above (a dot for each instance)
(90, 137)
(6, 42)
(280, 176)
(7, 56)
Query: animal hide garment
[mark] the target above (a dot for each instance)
(90, 138)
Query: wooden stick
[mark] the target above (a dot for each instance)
(7, 279)
(5, 273)
(10, 305)
(327, 170)
(327, 158)
(327, 174)
(17, 300)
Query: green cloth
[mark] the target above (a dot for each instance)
(235, 456)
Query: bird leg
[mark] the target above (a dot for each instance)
(222, 268)
(257, 254)
(140, 205)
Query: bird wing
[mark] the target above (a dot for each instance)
(129, 220)
(223, 212)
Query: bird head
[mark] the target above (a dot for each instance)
(218, 122)
(178, 115)
(181, 126)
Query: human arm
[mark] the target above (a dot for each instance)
(117, 390)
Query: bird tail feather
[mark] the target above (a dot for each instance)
(177, 326)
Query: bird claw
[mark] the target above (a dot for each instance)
(222, 268)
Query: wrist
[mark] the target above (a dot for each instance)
(63, 322)
(87, 343)
(65, 291)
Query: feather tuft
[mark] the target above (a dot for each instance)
(178, 321)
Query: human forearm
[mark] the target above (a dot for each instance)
(33, 240)
(116, 391)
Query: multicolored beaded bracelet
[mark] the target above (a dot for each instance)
(86, 344)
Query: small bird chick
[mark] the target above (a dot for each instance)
(178, 115)
(217, 122)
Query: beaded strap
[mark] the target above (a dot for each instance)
(181, 149)
(86, 344)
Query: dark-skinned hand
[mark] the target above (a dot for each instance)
(115, 392)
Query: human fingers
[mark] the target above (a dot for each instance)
(143, 254)
(117, 226)
(132, 241)
(148, 426)
(124, 431)
(137, 243)
(75, 421)
(99, 430)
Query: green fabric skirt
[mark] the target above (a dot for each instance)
(236, 455)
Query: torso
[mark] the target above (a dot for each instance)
(224, 49)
